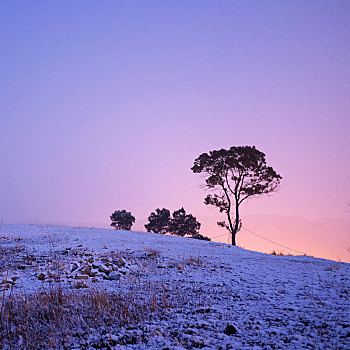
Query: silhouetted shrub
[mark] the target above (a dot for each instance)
(201, 237)
(122, 220)
(159, 221)
(183, 224)
(180, 224)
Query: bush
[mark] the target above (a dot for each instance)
(201, 237)
(180, 224)
(183, 224)
(159, 221)
(122, 220)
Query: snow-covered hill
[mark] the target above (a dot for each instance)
(169, 293)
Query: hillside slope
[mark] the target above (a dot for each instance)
(170, 293)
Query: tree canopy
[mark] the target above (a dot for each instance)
(179, 224)
(159, 221)
(122, 220)
(183, 224)
(236, 174)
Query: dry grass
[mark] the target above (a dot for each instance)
(152, 253)
(194, 261)
(10, 256)
(277, 253)
(58, 317)
(333, 267)
(55, 317)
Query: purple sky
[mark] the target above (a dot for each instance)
(105, 105)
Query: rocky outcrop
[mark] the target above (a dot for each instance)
(90, 267)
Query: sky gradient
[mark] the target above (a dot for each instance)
(105, 105)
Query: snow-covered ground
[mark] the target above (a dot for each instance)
(209, 295)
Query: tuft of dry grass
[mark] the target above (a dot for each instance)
(152, 253)
(277, 253)
(197, 261)
(333, 267)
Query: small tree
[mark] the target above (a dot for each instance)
(159, 221)
(237, 174)
(122, 220)
(183, 224)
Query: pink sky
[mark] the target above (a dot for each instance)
(106, 105)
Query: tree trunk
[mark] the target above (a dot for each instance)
(231, 229)
(235, 229)
(233, 238)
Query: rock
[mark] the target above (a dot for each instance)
(134, 267)
(41, 276)
(104, 268)
(91, 259)
(123, 270)
(7, 282)
(14, 278)
(81, 277)
(73, 273)
(122, 261)
(76, 263)
(96, 264)
(114, 276)
(230, 329)
(161, 266)
(85, 270)
(93, 272)
(66, 270)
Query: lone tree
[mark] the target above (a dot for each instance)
(183, 224)
(236, 174)
(159, 221)
(122, 220)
